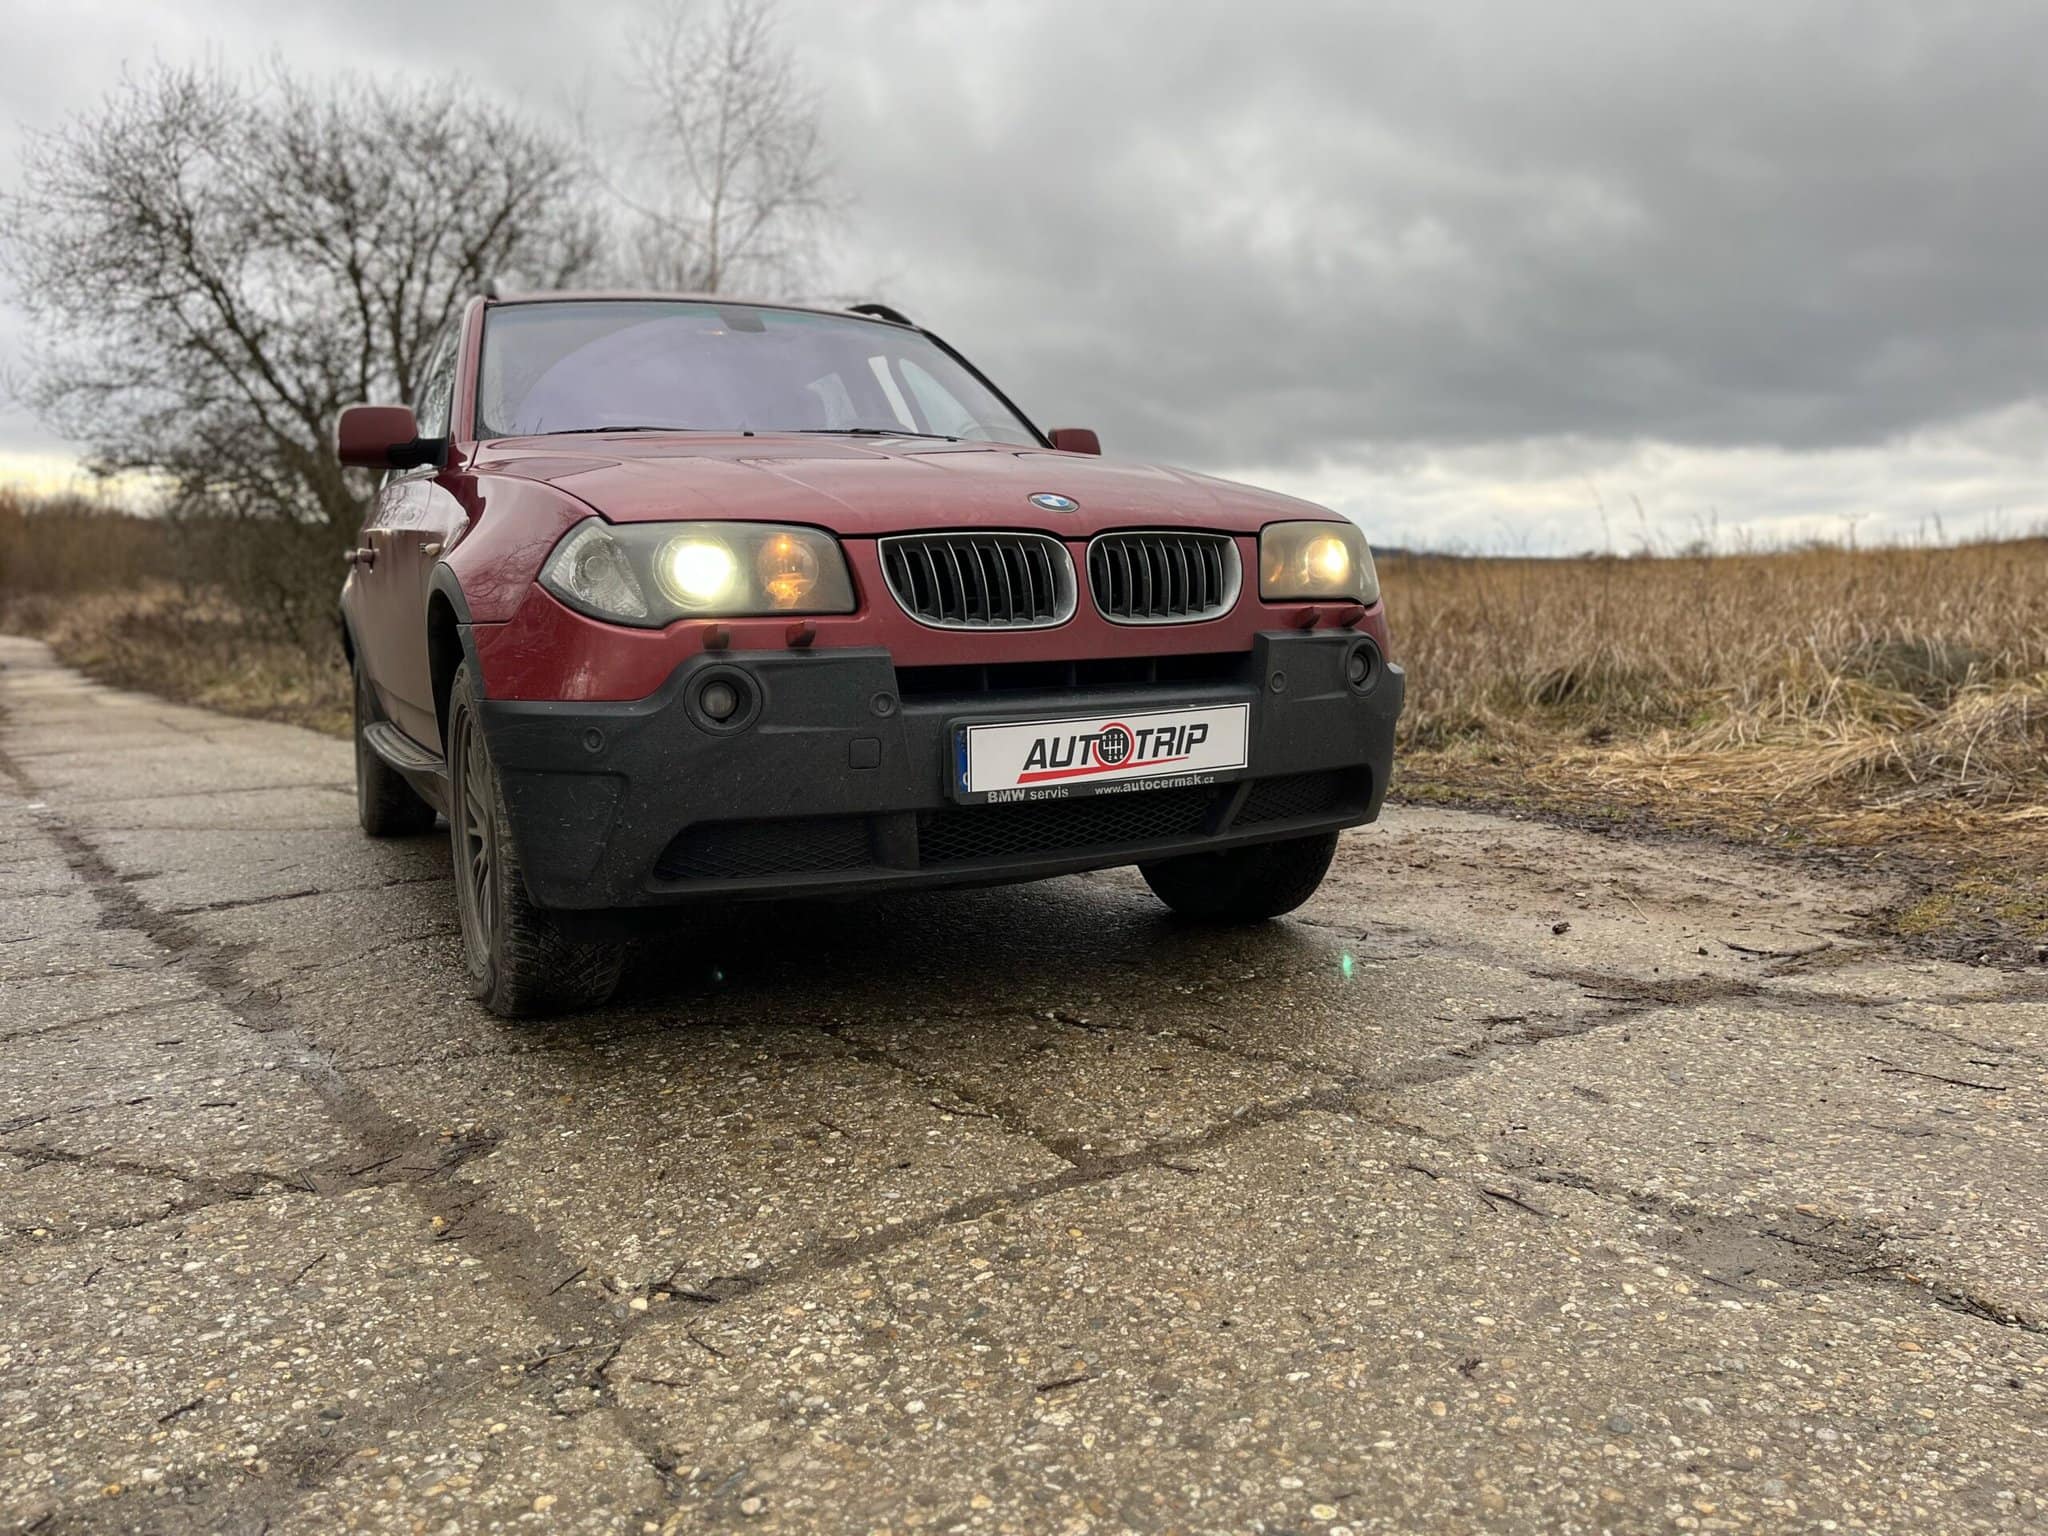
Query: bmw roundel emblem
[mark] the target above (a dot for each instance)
(1052, 501)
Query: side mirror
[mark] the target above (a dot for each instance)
(384, 437)
(1075, 440)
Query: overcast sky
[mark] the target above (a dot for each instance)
(1502, 275)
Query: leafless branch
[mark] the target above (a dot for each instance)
(221, 263)
(730, 184)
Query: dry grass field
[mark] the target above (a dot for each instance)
(1882, 694)
(1891, 702)
(146, 605)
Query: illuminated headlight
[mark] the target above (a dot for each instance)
(1316, 560)
(697, 572)
(651, 574)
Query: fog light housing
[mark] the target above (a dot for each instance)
(725, 699)
(1362, 667)
(720, 700)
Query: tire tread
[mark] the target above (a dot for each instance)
(536, 969)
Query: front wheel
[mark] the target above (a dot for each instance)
(520, 961)
(1243, 885)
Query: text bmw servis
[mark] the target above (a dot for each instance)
(668, 599)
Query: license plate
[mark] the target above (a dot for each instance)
(1099, 754)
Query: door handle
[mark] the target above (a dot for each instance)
(362, 558)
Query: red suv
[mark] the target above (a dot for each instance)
(673, 599)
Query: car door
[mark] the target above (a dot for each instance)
(419, 520)
(368, 599)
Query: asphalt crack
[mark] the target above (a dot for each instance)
(593, 1329)
(1792, 1250)
(515, 1252)
(966, 1103)
(153, 1005)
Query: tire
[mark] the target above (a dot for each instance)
(520, 962)
(386, 805)
(1243, 885)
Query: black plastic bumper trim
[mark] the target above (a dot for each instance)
(601, 795)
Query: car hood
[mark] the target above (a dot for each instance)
(861, 488)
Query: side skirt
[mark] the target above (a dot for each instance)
(425, 771)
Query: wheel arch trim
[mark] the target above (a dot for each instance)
(444, 592)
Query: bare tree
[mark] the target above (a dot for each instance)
(733, 185)
(219, 265)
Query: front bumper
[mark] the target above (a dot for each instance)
(837, 780)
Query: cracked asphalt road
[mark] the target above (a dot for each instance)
(1528, 1179)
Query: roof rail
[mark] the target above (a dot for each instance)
(882, 312)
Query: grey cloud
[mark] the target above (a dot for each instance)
(1459, 223)
(1299, 234)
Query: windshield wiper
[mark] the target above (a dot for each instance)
(578, 431)
(937, 437)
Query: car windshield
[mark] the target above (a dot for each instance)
(611, 364)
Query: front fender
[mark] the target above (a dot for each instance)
(515, 524)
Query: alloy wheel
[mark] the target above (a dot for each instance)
(475, 825)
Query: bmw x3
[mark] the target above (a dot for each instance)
(666, 600)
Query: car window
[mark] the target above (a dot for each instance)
(942, 411)
(886, 382)
(840, 411)
(437, 390)
(585, 365)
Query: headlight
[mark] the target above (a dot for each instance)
(697, 573)
(651, 574)
(1316, 560)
